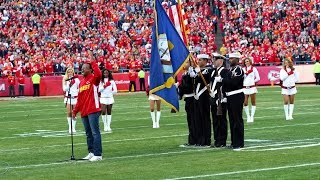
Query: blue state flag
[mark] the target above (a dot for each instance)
(168, 54)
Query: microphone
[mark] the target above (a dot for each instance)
(73, 77)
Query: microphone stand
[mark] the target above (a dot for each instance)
(71, 108)
(72, 158)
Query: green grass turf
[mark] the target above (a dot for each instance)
(34, 141)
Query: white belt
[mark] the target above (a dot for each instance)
(198, 93)
(188, 95)
(234, 92)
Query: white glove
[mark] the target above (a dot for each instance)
(218, 79)
(197, 69)
(211, 94)
(205, 71)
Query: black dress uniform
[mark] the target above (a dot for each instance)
(233, 84)
(202, 108)
(219, 109)
(186, 92)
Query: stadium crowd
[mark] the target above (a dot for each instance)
(47, 36)
(271, 30)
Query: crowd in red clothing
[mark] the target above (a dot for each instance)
(47, 36)
(271, 30)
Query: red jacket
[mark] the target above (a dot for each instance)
(21, 80)
(11, 80)
(132, 76)
(88, 100)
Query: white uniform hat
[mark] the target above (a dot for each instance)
(203, 56)
(218, 56)
(235, 55)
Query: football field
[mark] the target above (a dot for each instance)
(34, 142)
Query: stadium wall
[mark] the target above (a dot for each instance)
(52, 85)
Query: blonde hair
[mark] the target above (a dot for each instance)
(290, 64)
(66, 74)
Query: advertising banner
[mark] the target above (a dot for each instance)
(52, 85)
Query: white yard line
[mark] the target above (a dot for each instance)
(109, 141)
(42, 165)
(166, 116)
(282, 115)
(283, 126)
(275, 144)
(282, 148)
(50, 133)
(303, 144)
(248, 171)
(161, 154)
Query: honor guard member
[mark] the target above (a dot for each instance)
(232, 85)
(219, 103)
(202, 102)
(185, 89)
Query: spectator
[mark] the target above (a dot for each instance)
(132, 78)
(21, 82)
(112, 28)
(12, 83)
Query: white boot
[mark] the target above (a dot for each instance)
(253, 111)
(158, 119)
(246, 109)
(104, 120)
(153, 117)
(109, 123)
(286, 111)
(69, 123)
(291, 107)
(74, 122)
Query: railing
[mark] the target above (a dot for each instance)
(122, 70)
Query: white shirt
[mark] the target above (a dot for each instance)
(110, 90)
(252, 78)
(288, 80)
(74, 89)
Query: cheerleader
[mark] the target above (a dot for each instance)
(70, 86)
(251, 77)
(288, 77)
(107, 89)
(154, 100)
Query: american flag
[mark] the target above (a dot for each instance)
(177, 17)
